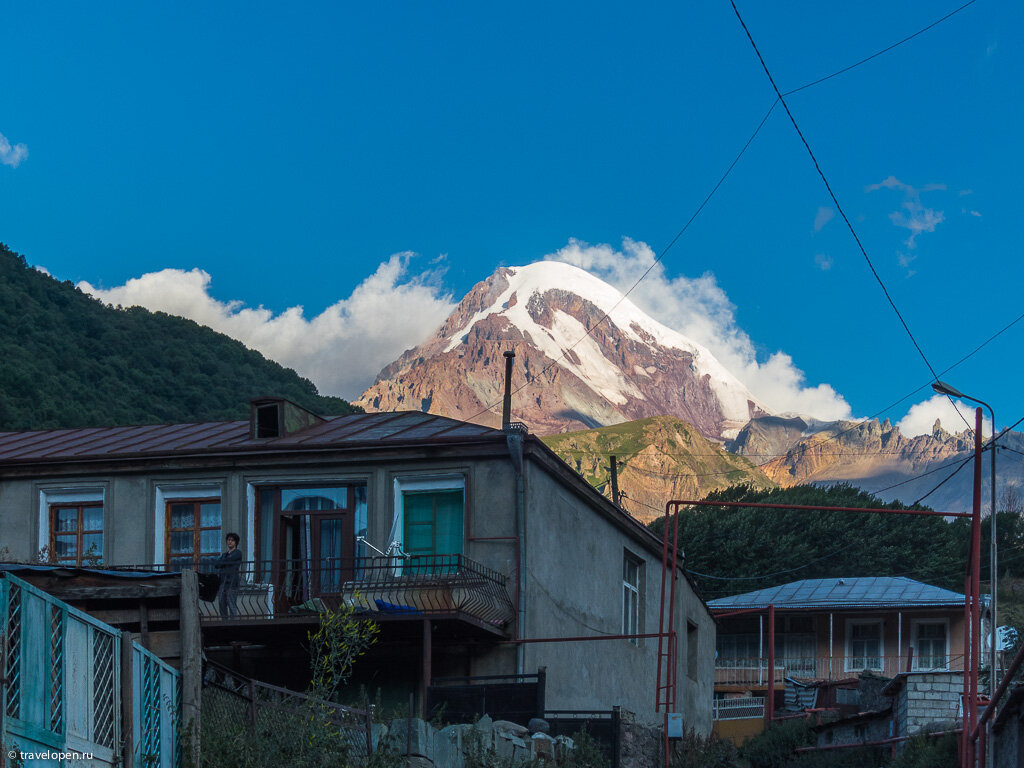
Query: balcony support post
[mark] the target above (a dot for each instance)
(769, 702)
(427, 671)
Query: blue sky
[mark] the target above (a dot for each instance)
(288, 152)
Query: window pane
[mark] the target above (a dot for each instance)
(66, 520)
(181, 542)
(182, 515)
(92, 518)
(66, 547)
(448, 534)
(209, 541)
(313, 499)
(92, 545)
(419, 538)
(418, 507)
(209, 515)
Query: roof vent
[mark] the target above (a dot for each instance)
(271, 417)
(842, 582)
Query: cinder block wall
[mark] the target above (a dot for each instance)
(926, 699)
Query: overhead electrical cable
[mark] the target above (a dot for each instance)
(835, 201)
(879, 53)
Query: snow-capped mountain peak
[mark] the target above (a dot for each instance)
(628, 365)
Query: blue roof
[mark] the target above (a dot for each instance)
(864, 592)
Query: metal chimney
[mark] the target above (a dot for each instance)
(506, 406)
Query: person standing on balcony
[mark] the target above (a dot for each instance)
(227, 565)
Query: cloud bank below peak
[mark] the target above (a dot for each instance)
(699, 309)
(340, 350)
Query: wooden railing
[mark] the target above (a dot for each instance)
(754, 671)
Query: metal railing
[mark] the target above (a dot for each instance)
(746, 708)
(755, 670)
(385, 587)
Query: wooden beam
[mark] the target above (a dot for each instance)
(191, 661)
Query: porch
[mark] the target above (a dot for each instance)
(753, 672)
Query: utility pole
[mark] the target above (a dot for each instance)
(613, 468)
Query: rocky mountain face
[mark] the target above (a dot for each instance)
(573, 371)
(877, 457)
(658, 459)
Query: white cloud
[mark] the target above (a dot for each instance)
(921, 417)
(11, 155)
(699, 308)
(823, 217)
(914, 215)
(44, 270)
(341, 350)
(823, 261)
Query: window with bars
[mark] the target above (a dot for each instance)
(193, 531)
(76, 533)
(632, 573)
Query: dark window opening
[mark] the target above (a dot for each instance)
(268, 422)
(692, 649)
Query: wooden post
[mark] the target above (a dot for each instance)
(613, 469)
(144, 624)
(191, 659)
(427, 671)
(127, 710)
(769, 699)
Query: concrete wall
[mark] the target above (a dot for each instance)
(574, 587)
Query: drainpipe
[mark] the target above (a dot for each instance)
(514, 439)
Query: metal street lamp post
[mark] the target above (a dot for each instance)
(945, 389)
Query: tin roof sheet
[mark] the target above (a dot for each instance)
(860, 592)
(139, 441)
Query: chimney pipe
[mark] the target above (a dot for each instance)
(506, 406)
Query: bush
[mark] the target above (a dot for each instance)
(774, 748)
(695, 751)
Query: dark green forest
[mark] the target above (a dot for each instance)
(68, 360)
(730, 551)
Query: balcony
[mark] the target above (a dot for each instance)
(754, 671)
(746, 708)
(382, 588)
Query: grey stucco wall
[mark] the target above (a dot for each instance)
(574, 588)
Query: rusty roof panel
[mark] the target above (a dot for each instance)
(183, 439)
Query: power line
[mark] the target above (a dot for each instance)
(835, 201)
(879, 53)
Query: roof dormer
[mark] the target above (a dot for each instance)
(271, 417)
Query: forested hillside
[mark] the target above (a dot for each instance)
(67, 360)
(734, 550)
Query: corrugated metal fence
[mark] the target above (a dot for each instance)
(61, 698)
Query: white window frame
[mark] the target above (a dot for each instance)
(448, 482)
(880, 659)
(636, 614)
(174, 491)
(77, 495)
(914, 625)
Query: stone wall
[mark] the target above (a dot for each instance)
(928, 701)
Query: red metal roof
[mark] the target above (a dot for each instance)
(403, 427)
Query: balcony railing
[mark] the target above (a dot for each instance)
(384, 587)
(746, 708)
(754, 671)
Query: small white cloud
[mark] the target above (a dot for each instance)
(965, 192)
(975, 213)
(11, 155)
(823, 217)
(823, 261)
(990, 49)
(341, 350)
(954, 417)
(699, 309)
(914, 215)
(44, 270)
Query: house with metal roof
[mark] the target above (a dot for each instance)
(463, 542)
(835, 630)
